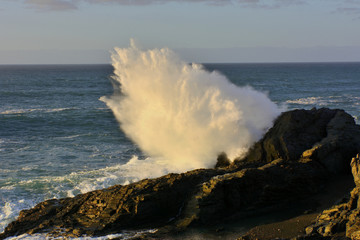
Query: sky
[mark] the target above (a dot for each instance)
(86, 31)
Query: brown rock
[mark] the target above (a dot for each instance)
(355, 235)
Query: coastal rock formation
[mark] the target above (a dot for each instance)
(290, 164)
(147, 203)
(252, 191)
(324, 135)
(344, 218)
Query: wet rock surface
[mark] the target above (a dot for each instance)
(293, 161)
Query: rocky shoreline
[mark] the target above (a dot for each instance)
(296, 160)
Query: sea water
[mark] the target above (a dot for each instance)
(58, 137)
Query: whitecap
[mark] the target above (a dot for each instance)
(72, 136)
(58, 109)
(307, 101)
(325, 101)
(24, 111)
(17, 111)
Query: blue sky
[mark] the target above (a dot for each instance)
(85, 31)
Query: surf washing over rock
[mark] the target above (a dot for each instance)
(181, 115)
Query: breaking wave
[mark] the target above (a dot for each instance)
(182, 115)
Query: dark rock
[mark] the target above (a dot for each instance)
(148, 203)
(252, 191)
(293, 133)
(341, 142)
(222, 161)
(343, 218)
(330, 137)
(313, 236)
(291, 163)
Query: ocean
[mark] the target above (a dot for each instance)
(59, 134)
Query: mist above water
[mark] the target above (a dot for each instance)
(182, 115)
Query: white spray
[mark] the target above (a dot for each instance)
(182, 115)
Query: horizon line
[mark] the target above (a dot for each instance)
(265, 62)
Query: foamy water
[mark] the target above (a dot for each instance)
(326, 100)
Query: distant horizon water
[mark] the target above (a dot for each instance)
(198, 55)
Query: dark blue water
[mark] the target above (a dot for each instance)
(58, 139)
(52, 114)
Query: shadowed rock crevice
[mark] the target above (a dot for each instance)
(291, 163)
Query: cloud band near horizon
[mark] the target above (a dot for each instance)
(63, 5)
(349, 7)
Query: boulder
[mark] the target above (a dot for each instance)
(293, 133)
(324, 135)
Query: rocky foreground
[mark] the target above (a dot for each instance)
(292, 163)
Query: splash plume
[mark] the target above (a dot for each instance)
(181, 114)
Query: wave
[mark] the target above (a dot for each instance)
(181, 113)
(73, 136)
(24, 111)
(325, 101)
(14, 192)
(321, 101)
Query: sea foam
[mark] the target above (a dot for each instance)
(182, 115)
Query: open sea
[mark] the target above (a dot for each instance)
(57, 139)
